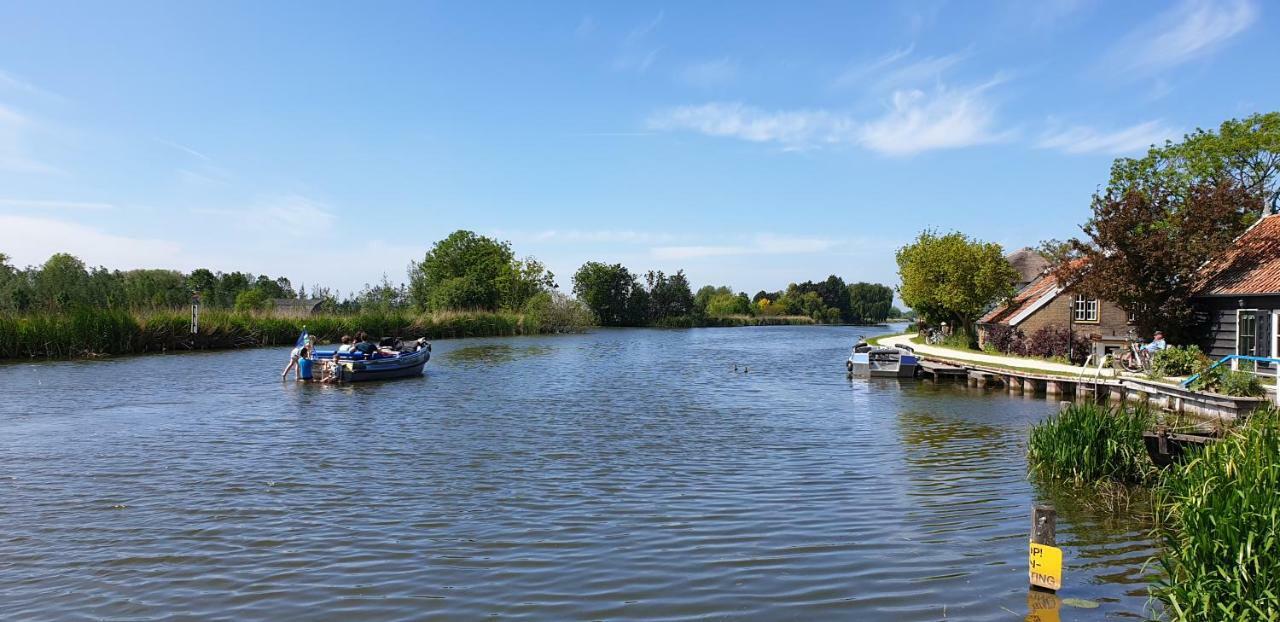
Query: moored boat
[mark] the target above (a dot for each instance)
(897, 361)
(396, 358)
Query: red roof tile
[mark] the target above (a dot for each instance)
(1250, 266)
(1022, 300)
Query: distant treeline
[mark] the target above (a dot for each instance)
(65, 308)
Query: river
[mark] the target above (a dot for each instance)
(616, 475)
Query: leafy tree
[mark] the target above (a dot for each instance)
(953, 278)
(525, 279)
(870, 303)
(205, 282)
(462, 271)
(1143, 249)
(252, 300)
(612, 293)
(1242, 152)
(669, 297)
(62, 282)
(705, 294)
(384, 296)
(728, 304)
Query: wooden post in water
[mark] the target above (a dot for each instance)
(1045, 561)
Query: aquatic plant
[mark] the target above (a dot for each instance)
(1088, 443)
(1220, 526)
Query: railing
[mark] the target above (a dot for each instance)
(1235, 359)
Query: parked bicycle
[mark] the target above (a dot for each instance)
(1136, 358)
(934, 336)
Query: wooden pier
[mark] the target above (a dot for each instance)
(1090, 386)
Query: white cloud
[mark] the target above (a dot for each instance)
(1083, 139)
(943, 119)
(290, 215)
(761, 244)
(1190, 30)
(916, 121)
(735, 120)
(56, 205)
(893, 71)
(15, 155)
(30, 241)
(711, 73)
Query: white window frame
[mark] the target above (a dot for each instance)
(1253, 337)
(1085, 309)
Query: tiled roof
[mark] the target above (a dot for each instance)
(1021, 301)
(1250, 266)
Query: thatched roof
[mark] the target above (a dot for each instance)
(1028, 263)
(296, 306)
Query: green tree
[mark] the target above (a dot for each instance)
(62, 282)
(723, 304)
(669, 297)
(870, 303)
(705, 294)
(252, 300)
(462, 271)
(1243, 152)
(526, 278)
(953, 278)
(612, 293)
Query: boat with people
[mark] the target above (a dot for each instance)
(393, 358)
(897, 361)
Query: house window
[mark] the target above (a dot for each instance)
(1086, 309)
(1133, 318)
(1247, 333)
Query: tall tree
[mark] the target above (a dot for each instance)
(1143, 249)
(953, 278)
(612, 293)
(461, 271)
(871, 303)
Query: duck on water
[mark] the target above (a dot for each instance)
(897, 361)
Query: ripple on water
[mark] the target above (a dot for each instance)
(615, 475)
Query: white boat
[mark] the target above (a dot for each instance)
(897, 361)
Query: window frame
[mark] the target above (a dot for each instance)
(1083, 308)
(1253, 336)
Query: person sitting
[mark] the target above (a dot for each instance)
(347, 343)
(364, 346)
(332, 371)
(1157, 343)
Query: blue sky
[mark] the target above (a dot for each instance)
(750, 144)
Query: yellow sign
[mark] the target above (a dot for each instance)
(1044, 565)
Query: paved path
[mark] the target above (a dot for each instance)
(990, 359)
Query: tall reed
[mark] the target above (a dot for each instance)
(1219, 519)
(90, 332)
(1088, 443)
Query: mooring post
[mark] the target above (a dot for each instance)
(1045, 561)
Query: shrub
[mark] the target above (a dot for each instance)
(1222, 379)
(1088, 443)
(1004, 338)
(1053, 341)
(1175, 361)
(1219, 524)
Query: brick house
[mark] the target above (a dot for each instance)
(1239, 291)
(1044, 303)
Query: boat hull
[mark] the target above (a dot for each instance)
(881, 365)
(355, 368)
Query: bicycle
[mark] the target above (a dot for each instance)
(1136, 359)
(934, 336)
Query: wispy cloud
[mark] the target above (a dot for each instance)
(637, 53)
(598, 236)
(710, 74)
(30, 240)
(1083, 139)
(185, 149)
(897, 69)
(760, 244)
(11, 82)
(916, 121)
(289, 215)
(15, 137)
(1188, 31)
(42, 204)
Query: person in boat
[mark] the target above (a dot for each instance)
(364, 346)
(332, 371)
(347, 343)
(301, 361)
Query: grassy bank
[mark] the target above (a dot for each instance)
(93, 332)
(1216, 517)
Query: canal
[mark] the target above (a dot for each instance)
(619, 475)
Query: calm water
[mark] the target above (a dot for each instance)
(616, 475)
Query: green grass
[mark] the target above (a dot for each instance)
(1090, 444)
(94, 332)
(1219, 520)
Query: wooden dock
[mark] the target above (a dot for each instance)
(1090, 386)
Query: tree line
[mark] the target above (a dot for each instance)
(1151, 228)
(463, 271)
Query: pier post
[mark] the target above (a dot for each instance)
(1117, 395)
(1013, 383)
(1052, 388)
(1028, 386)
(1045, 572)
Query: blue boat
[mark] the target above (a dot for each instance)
(396, 358)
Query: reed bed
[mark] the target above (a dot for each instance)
(97, 332)
(1219, 520)
(1088, 444)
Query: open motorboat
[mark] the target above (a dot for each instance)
(396, 358)
(897, 361)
